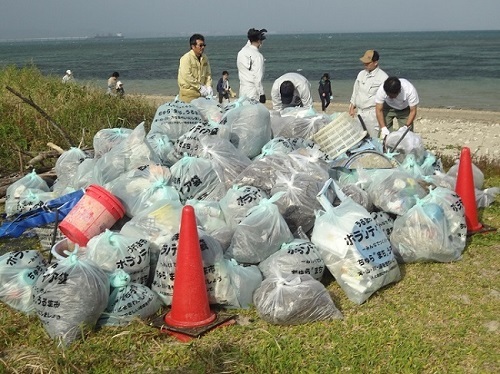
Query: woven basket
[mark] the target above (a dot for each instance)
(343, 133)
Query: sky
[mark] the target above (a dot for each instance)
(26, 19)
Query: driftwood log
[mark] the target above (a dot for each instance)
(56, 152)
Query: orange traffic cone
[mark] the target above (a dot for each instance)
(190, 315)
(190, 306)
(466, 190)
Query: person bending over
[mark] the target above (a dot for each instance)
(291, 90)
(397, 99)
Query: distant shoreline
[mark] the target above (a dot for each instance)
(184, 35)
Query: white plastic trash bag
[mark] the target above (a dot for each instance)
(355, 249)
(189, 142)
(477, 174)
(113, 250)
(84, 175)
(140, 188)
(260, 233)
(297, 257)
(385, 222)
(66, 168)
(277, 144)
(411, 143)
(106, 139)
(250, 126)
(133, 152)
(298, 203)
(128, 301)
(394, 191)
(18, 273)
(230, 160)
(209, 215)
(244, 280)
(238, 200)
(197, 178)
(210, 109)
(216, 277)
(432, 230)
(174, 119)
(163, 147)
(263, 172)
(161, 220)
(16, 189)
(69, 298)
(294, 300)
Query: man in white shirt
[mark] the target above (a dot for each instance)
(397, 98)
(365, 87)
(291, 90)
(250, 63)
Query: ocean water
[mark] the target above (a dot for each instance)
(449, 69)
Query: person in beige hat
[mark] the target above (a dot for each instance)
(365, 87)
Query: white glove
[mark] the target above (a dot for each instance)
(384, 131)
(204, 90)
(210, 92)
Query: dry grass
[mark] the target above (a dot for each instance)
(79, 112)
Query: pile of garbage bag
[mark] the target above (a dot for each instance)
(274, 214)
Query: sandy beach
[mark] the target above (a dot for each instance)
(446, 130)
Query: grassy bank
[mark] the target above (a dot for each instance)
(440, 318)
(77, 110)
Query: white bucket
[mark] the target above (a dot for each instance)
(65, 245)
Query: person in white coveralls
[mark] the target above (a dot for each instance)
(291, 90)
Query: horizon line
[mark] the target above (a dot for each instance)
(179, 35)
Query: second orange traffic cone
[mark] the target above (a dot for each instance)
(466, 190)
(190, 307)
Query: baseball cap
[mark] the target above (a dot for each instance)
(369, 56)
(68, 72)
(286, 91)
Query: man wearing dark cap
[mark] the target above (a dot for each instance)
(291, 90)
(250, 64)
(365, 87)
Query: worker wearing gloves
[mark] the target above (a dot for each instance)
(396, 98)
(365, 88)
(195, 77)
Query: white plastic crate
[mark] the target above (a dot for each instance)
(343, 133)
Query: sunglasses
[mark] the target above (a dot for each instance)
(201, 45)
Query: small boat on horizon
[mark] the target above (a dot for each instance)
(118, 35)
